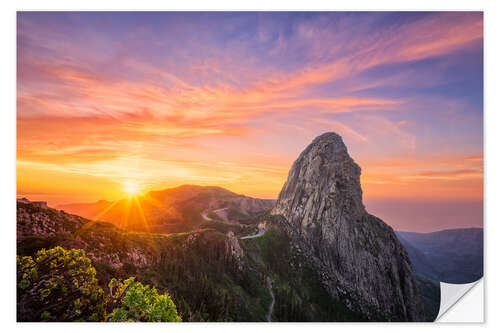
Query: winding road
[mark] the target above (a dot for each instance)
(224, 217)
(219, 213)
(260, 233)
(205, 217)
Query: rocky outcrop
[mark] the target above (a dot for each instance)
(234, 249)
(35, 218)
(46, 227)
(358, 256)
(39, 204)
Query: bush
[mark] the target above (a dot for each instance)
(58, 285)
(61, 285)
(132, 301)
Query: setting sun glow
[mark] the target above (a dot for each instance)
(131, 188)
(115, 105)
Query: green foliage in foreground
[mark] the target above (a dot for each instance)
(58, 285)
(61, 285)
(140, 303)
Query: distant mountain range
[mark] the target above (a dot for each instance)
(452, 256)
(178, 209)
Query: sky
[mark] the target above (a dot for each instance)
(161, 99)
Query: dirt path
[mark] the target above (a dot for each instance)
(222, 213)
(271, 306)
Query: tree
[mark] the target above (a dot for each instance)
(58, 285)
(61, 285)
(132, 301)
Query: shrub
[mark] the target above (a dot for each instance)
(132, 301)
(58, 285)
(61, 285)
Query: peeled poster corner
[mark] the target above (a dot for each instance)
(462, 303)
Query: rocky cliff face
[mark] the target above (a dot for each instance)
(359, 257)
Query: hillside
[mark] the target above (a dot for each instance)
(172, 210)
(452, 256)
(211, 274)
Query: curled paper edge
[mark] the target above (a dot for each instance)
(451, 294)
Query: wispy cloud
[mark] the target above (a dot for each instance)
(231, 98)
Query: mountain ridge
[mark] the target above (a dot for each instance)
(177, 209)
(449, 255)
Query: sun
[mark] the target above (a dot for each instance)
(131, 188)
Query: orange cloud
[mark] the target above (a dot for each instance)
(424, 177)
(450, 174)
(81, 122)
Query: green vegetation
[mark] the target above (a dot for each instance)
(299, 293)
(203, 279)
(196, 270)
(139, 303)
(255, 219)
(431, 296)
(206, 282)
(223, 227)
(61, 285)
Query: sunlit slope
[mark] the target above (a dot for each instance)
(172, 210)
